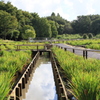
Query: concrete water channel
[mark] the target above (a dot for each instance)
(41, 85)
(40, 81)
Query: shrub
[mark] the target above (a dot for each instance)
(90, 35)
(85, 36)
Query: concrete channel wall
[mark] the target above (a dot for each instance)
(17, 91)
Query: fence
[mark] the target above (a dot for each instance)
(86, 53)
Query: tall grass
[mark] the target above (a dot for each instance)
(83, 75)
(10, 63)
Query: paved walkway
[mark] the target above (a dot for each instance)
(79, 51)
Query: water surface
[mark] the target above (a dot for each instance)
(42, 86)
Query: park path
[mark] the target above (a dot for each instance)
(79, 51)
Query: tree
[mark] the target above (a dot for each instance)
(42, 27)
(53, 29)
(57, 19)
(85, 36)
(61, 29)
(27, 31)
(35, 15)
(8, 23)
(15, 34)
(90, 35)
(82, 24)
(53, 14)
(2, 5)
(95, 27)
(68, 29)
(27, 17)
(10, 8)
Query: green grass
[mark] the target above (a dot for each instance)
(10, 63)
(83, 74)
(89, 43)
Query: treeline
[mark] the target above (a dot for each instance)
(16, 24)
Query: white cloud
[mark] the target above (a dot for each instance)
(61, 12)
(68, 9)
(68, 3)
(81, 1)
(42, 85)
(89, 7)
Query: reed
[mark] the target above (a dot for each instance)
(10, 63)
(83, 74)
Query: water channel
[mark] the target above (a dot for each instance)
(41, 85)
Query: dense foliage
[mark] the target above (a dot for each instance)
(14, 21)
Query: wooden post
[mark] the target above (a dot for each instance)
(23, 83)
(83, 53)
(20, 87)
(17, 93)
(0, 46)
(26, 78)
(37, 47)
(65, 49)
(86, 54)
(17, 47)
(73, 50)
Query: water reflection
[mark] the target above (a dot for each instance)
(42, 86)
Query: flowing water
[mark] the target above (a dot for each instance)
(41, 85)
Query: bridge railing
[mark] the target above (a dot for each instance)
(36, 47)
(26, 47)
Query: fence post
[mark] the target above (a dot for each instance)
(0, 46)
(86, 54)
(37, 47)
(20, 87)
(17, 93)
(23, 83)
(73, 50)
(83, 53)
(65, 49)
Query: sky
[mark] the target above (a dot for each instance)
(42, 86)
(68, 9)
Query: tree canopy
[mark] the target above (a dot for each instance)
(17, 24)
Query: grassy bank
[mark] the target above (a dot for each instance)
(83, 74)
(11, 62)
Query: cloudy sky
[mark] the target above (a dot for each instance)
(42, 86)
(68, 9)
